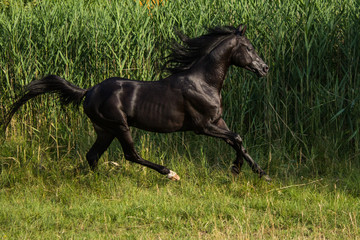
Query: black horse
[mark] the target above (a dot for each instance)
(188, 100)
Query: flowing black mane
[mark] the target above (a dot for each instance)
(184, 55)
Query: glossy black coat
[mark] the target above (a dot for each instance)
(188, 100)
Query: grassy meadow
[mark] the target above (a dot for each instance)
(301, 123)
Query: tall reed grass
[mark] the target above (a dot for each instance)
(306, 111)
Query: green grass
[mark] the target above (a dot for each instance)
(125, 202)
(300, 123)
(45, 196)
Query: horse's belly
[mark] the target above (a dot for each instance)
(158, 120)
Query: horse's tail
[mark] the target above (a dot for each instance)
(50, 84)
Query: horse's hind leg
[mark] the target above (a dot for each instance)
(130, 154)
(102, 142)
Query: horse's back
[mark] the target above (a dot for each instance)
(149, 105)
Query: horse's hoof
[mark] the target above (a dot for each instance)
(173, 176)
(267, 178)
(235, 171)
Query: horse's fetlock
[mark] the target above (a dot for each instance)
(235, 170)
(164, 171)
(238, 139)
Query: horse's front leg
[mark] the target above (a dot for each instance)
(219, 129)
(237, 164)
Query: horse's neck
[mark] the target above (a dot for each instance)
(214, 67)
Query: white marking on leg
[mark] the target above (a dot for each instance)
(173, 176)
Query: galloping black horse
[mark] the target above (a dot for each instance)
(188, 100)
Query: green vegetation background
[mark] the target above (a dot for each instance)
(301, 123)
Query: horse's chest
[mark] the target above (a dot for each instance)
(202, 104)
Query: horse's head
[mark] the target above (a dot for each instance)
(245, 56)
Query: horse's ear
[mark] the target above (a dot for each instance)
(241, 30)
